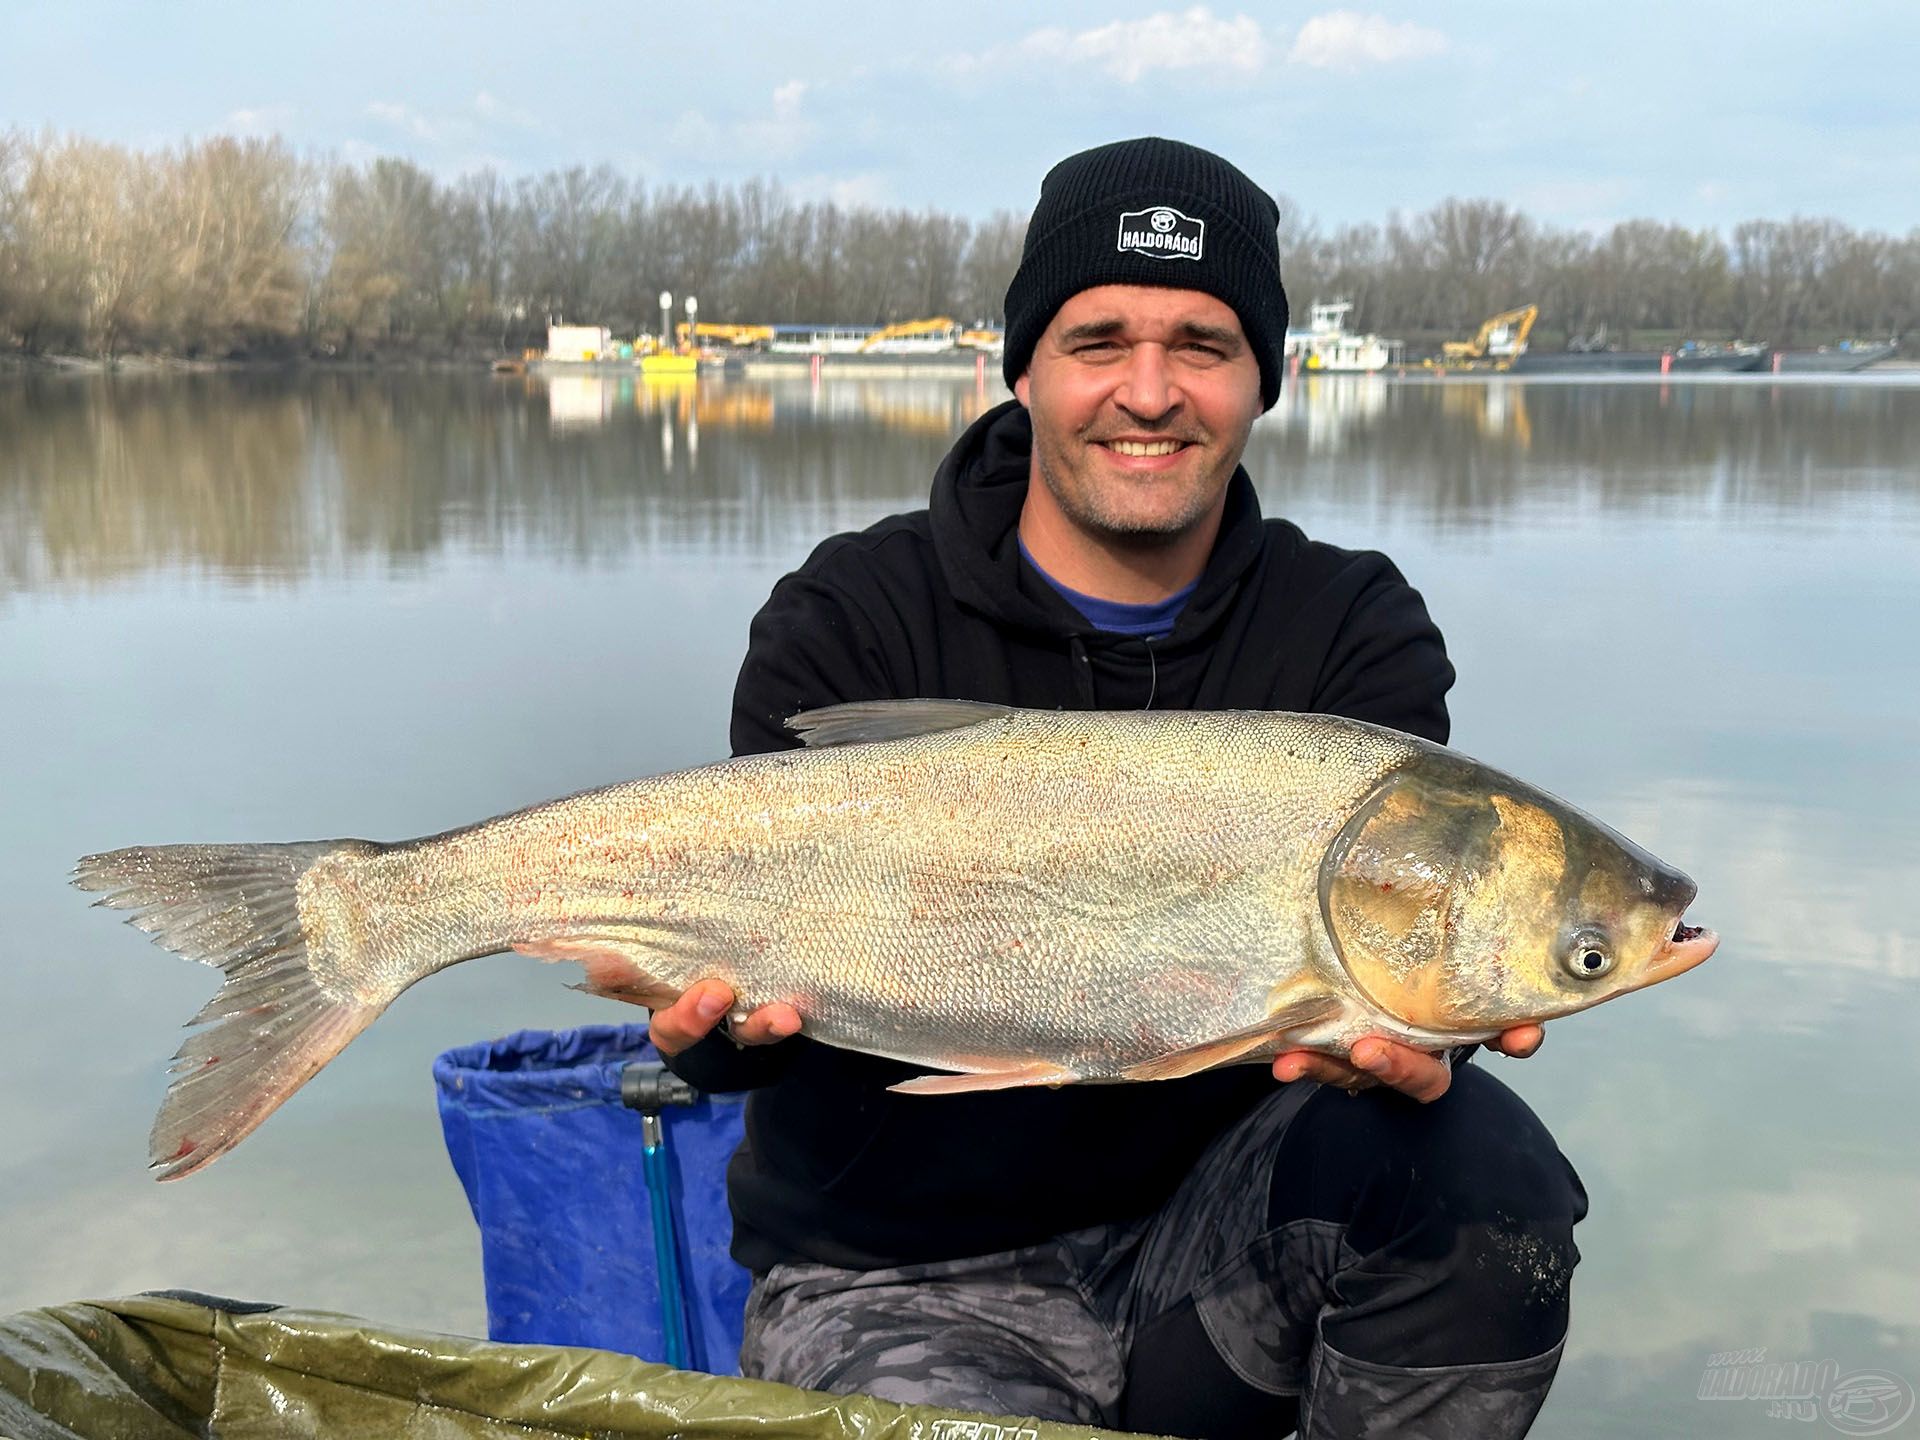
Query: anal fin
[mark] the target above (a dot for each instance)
(1038, 1072)
(1307, 1010)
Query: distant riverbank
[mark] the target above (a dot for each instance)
(18, 364)
(140, 365)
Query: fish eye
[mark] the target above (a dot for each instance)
(1588, 956)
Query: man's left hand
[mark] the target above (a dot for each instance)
(1376, 1060)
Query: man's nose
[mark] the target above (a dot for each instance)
(1149, 389)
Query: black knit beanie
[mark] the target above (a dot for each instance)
(1151, 212)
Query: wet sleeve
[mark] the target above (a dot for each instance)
(809, 646)
(1388, 664)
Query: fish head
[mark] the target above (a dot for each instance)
(1463, 901)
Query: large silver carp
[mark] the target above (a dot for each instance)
(1021, 897)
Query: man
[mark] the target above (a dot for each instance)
(1216, 1255)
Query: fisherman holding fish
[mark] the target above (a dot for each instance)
(1216, 1255)
(1105, 779)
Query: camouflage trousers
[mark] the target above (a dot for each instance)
(1341, 1264)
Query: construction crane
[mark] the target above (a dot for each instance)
(909, 330)
(1500, 338)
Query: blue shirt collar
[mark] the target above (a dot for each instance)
(1146, 622)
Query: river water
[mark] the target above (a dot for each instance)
(252, 607)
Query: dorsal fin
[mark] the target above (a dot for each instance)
(862, 720)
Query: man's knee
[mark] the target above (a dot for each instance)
(1476, 1153)
(1460, 1209)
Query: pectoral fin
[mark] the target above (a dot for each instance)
(1296, 1014)
(1039, 1072)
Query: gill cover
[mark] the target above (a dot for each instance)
(1461, 900)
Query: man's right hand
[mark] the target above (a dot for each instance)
(700, 1007)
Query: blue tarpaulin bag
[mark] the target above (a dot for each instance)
(586, 1201)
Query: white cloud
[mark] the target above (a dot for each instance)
(695, 131)
(1348, 40)
(490, 107)
(258, 120)
(782, 131)
(392, 113)
(1592, 204)
(787, 98)
(460, 129)
(1131, 49)
(863, 189)
(433, 130)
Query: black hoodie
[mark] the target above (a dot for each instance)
(940, 603)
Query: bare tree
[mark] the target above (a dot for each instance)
(1471, 248)
(228, 221)
(993, 254)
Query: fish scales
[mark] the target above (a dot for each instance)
(1031, 881)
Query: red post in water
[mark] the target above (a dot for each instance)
(1777, 358)
(813, 369)
(1666, 362)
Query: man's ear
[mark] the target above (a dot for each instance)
(1021, 386)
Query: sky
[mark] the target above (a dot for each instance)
(1702, 112)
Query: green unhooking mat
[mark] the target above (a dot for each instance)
(163, 1367)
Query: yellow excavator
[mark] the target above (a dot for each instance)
(1499, 340)
(909, 330)
(725, 334)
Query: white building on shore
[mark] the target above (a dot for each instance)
(579, 342)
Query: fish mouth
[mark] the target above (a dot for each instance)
(1685, 948)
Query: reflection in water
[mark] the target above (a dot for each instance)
(580, 401)
(1325, 409)
(1477, 452)
(263, 477)
(258, 477)
(99, 480)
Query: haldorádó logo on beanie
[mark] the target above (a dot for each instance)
(1151, 212)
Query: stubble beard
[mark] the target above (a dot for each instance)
(1080, 499)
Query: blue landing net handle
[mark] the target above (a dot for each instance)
(650, 1088)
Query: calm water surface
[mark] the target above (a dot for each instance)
(266, 608)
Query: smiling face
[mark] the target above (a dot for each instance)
(1142, 400)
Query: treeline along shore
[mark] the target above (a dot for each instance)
(228, 248)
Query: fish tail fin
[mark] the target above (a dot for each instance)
(272, 1025)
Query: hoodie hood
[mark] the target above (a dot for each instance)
(978, 492)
